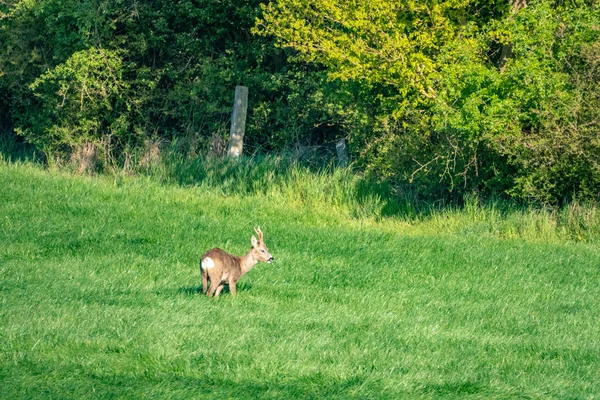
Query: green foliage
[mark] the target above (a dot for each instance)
(122, 72)
(451, 114)
(82, 100)
(533, 116)
(380, 42)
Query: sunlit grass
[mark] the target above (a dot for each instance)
(99, 280)
(341, 191)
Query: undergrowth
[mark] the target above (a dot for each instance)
(288, 179)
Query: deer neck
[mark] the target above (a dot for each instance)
(247, 261)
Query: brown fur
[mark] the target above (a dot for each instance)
(228, 269)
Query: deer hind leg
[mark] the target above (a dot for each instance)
(214, 289)
(205, 281)
(208, 273)
(216, 285)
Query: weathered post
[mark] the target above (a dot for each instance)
(342, 152)
(238, 122)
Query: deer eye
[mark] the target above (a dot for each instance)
(262, 250)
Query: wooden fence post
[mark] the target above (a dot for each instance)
(238, 122)
(342, 152)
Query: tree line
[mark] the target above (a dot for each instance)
(440, 97)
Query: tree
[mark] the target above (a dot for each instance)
(461, 89)
(125, 72)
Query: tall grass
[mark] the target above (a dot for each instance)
(315, 185)
(15, 149)
(288, 180)
(505, 219)
(277, 178)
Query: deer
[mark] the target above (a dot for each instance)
(221, 268)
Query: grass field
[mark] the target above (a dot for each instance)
(100, 298)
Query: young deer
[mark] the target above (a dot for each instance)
(220, 268)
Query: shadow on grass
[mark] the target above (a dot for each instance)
(196, 290)
(190, 290)
(453, 388)
(315, 386)
(165, 384)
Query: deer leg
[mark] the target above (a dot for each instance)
(218, 292)
(204, 282)
(214, 286)
(232, 288)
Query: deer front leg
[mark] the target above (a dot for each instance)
(232, 288)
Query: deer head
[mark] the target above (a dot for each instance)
(259, 248)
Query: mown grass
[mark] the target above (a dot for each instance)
(99, 279)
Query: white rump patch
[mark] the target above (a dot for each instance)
(208, 263)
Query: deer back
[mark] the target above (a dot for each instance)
(220, 261)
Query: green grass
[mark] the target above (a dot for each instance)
(99, 298)
(341, 191)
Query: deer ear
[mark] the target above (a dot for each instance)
(254, 241)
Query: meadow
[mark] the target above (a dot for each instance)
(100, 294)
